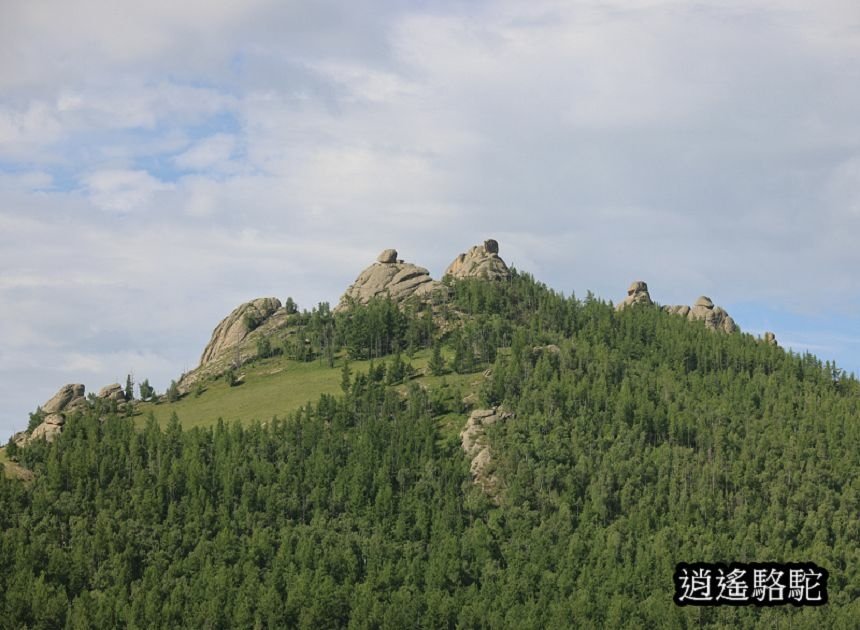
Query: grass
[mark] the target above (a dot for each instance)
(12, 470)
(275, 387)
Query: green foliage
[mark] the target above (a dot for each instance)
(644, 441)
(172, 392)
(252, 320)
(437, 363)
(264, 347)
(230, 377)
(129, 388)
(345, 377)
(146, 390)
(12, 450)
(290, 306)
(36, 419)
(374, 330)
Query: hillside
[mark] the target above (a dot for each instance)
(601, 447)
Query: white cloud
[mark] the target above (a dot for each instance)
(122, 190)
(212, 153)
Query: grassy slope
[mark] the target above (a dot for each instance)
(279, 386)
(13, 470)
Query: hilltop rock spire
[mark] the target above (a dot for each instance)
(390, 276)
(637, 293)
(481, 261)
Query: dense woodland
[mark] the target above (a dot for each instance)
(646, 440)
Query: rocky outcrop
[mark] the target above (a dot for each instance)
(393, 278)
(473, 442)
(770, 338)
(50, 428)
(704, 310)
(637, 294)
(68, 395)
(549, 349)
(113, 392)
(481, 261)
(237, 325)
(67, 399)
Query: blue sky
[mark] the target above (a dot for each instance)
(162, 162)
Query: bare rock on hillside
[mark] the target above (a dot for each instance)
(68, 395)
(770, 338)
(481, 261)
(393, 278)
(637, 293)
(473, 443)
(114, 392)
(46, 430)
(238, 325)
(703, 309)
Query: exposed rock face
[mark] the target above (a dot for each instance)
(47, 431)
(390, 276)
(714, 317)
(66, 396)
(112, 392)
(770, 338)
(481, 261)
(237, 325)
(69, 397)
(637, 293)
(474, 444)
(551, 349)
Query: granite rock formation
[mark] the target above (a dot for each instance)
(68, 398)
(473, 442)
(237, 325)
(113, 392)
(481, 261)
(637, 293)
(391, 277)
(715, 317)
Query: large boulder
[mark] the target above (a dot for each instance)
(114, 391)
(46, 430)
(393, 278)
(237, 325)
(387, 256)
(68, 396)
(637, 293)
(481, 261)
(703, 309)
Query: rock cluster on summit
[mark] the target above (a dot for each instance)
(392, 277)
(704, 310)
(637, 293)
(714, 317)
(481, 261)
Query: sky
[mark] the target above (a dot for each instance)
(162, 162)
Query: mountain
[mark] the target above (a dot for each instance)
(483, 452)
